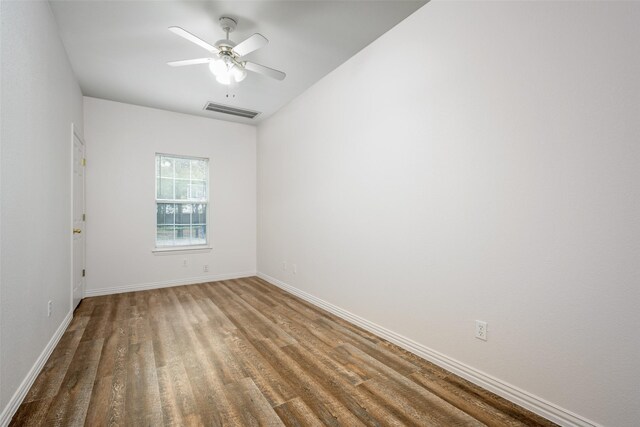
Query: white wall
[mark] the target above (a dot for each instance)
(478, 161)
(40, 100)
(122, 141)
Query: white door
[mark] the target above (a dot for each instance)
(78, 221)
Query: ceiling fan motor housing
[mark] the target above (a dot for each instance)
(225, 45)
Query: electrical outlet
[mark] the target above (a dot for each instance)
(481, 330)
(295, 268)
(49, 308)
(284, 266)
(205, 268)
(184, 262)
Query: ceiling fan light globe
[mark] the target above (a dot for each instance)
(218, 67)
(239, 73)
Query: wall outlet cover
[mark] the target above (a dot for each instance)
(481, 330)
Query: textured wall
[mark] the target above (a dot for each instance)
(123, 140)
(40, 100)
(478, 161)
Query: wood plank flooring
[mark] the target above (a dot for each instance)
(242, 353)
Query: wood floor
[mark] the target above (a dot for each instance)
(242, 353)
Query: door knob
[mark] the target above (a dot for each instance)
(77, 231)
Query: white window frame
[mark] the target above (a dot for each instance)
(159, 250)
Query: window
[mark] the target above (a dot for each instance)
(182, 201)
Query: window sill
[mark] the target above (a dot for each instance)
(181, 249)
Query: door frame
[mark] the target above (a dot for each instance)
(75, 133)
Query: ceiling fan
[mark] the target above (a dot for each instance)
(226, 62)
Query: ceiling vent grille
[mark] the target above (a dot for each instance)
(225, 109)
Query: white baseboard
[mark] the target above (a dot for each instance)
(512, 393)
(165, 284)
(9, 411)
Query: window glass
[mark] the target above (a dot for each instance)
(181, 181)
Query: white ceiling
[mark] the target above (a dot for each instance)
(119, 49)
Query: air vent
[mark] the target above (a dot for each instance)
(225, 109)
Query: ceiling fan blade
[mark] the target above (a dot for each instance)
(254, 42)
(189, 62)
(194, 39)
(261, 69)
